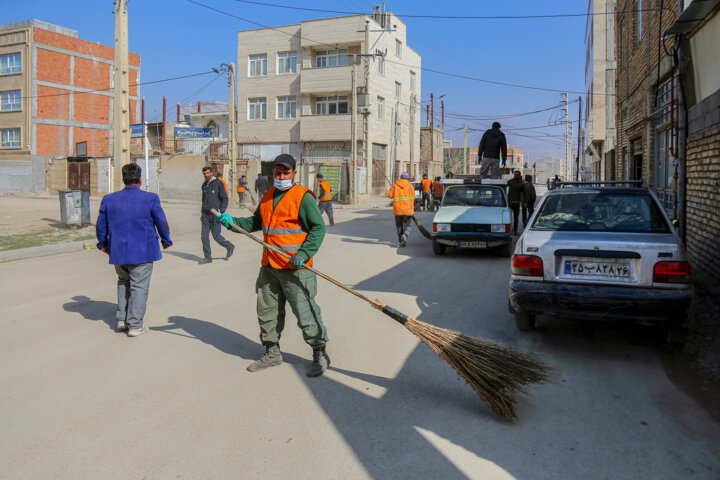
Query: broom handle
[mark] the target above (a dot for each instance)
(375, 303)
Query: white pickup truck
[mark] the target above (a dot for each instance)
(473, 214)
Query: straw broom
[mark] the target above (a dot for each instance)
(499, 374)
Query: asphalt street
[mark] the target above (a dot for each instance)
(80, 400)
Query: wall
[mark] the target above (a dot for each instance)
(181, 176)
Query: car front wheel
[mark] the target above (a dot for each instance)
(438, 248)
(525, 322)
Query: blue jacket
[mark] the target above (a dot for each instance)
(126, 225)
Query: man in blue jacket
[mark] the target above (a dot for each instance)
(126, 231)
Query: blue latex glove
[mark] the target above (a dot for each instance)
(225, 219)
(297, 260)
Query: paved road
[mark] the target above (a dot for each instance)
(81, 401)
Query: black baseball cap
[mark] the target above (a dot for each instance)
(285, 160)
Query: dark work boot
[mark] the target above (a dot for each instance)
(270, 358)
(320, 362)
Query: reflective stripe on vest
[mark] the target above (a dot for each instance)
(437, 189)
(281, 226)
(403, 197)
(327, 196)
(426, 184)
(241, 188)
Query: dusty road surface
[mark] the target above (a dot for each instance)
(82, 401)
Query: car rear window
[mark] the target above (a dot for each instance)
(601, 211)
(474, 196)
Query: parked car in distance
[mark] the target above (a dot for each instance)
(601, 252)
(473, 214)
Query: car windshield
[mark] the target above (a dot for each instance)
(603, 211)
(474, 196)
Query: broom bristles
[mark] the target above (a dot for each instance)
(498, 373)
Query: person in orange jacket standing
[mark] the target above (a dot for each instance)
(402, 194)
(325, 198)
(426, 192)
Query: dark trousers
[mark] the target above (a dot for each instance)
(210, 223)
(327, 208)
(402, 224)
(427, 201)
(527, 211)
(241, 197)
(515, 207)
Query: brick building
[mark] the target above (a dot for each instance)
(56, 93)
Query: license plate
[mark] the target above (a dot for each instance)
(598, 268)
(472, 244)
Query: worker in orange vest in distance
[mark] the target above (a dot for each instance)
(437, 191)
(426, 192)
(403, 198)
(241, 186)
(219, 176)
(325, 198)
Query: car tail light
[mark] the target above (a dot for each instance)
(671, 272)
(529, 265)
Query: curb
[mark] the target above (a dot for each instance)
(45, 250)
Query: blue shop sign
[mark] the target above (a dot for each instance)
(137, 130)
(186, 132)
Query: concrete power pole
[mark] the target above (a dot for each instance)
(367, 160)
(121, 97)
(353, 134)
(232, 142)
(466, 160)
(411, 165)
(566, 160)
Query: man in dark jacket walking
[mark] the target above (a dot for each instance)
(515, 197)
(529, 197)
(261, 186)
(492, 145)
(214, 196)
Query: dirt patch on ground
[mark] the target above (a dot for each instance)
(34, 214)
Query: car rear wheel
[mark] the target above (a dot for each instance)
(506, 250)
(525, 322)
(438, 248)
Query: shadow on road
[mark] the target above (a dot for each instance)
(93, 309)
(185, 256)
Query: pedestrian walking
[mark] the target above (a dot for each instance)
(291, 221)
(127, 230)
(219, 175)
(426, 185)
(214, 195)
(493, 147)
(515, 197)
(241, 187)
(556, 182)
(261, 186)
(403, 197)
(529, 198)
(325, 198)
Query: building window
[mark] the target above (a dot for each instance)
(10, 137)
(331, 58)
(10, 100)
(398, 48)
(258, 65)
(257, 109)
(286, 107)
(381, 62)
(639, 20)
(331, 105)
(398, 89)
(287, 62)
(412, 81)
(10, 63)
(381, 107)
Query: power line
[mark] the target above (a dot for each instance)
(450, 17)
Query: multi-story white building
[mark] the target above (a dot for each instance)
(294, 93)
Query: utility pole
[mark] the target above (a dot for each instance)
(466, 161)
(432, 128)
(577, 160)
(353, 133)
(231, 131)
(121, 98)
(567, 164)
(367, 161)
(411, 133)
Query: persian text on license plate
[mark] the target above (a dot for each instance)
(597, 268)
(472, 244)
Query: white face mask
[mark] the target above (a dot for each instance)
(282, 184)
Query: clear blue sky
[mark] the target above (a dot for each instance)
(176, 37)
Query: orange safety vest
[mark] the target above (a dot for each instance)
(426, 184)
(327, 196)
(403, 197)
(241, 187)
(437, 189)
(227, 190)
(281, 226)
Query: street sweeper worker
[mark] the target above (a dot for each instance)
(426, 192)
(325, 198)
(290, 220)
(403, 197)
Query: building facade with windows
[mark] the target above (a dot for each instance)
(56, 92)
(294, 93)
